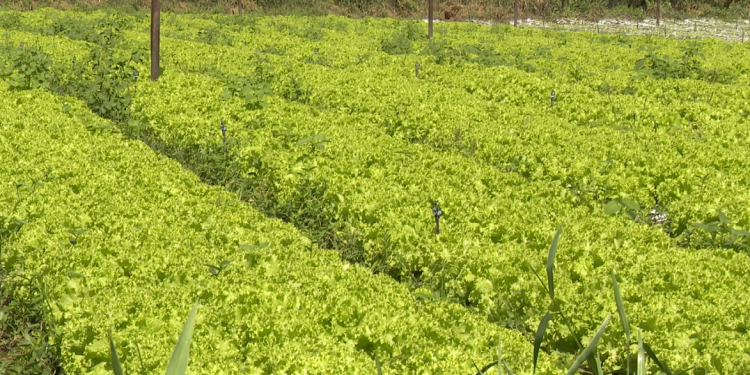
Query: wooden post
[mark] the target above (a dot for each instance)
(239, 7)
(429, 18)
(658, 12)
(155, 39)
(515, 13)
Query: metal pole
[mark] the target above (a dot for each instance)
(155, 39)
(429, 18)
(658, 12)
(515, 13)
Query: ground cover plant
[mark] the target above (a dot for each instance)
(351, 130)
(276, 305)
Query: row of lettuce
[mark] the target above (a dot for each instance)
(122, 236)
(354, 151)
(676, 142)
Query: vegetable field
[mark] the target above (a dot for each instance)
(291, 173)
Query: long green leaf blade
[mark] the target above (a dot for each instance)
(484, 369)
(662, 366)
(589, 348)
(621, 308)
(116, 367)
(377, 364)
(641, 370)
(179, 361)
(595, 363)
(479, 372)
(551, 263)
(500, 368)
(539, 336)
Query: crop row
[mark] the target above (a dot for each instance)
(374, 188)
(623, 123)
(123, 238)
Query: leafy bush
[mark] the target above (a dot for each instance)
(27, 68)
(398, 44)
(102, 79)
(688, 66)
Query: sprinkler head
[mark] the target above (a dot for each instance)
(436, 211)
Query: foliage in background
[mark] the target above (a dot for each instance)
(454, 10)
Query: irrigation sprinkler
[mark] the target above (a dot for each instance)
(657, 217)
(21, 45)
(437, 213)
(224, 134)
(315, 51)
(135, 75)
(416, 69)
(74, 61)
(552, 99)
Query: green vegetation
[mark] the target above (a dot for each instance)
(144, 229)
(325, 124)
(460, 10)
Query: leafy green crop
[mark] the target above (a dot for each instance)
(279, 306)
(337, 137)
